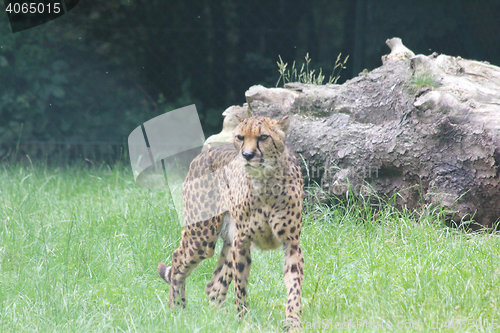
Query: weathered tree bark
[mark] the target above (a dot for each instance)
(425, 127)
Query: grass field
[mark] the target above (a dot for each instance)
(79, 248)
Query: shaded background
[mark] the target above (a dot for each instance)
(88, 78)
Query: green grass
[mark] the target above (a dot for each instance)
(79, 249)
(307, 75)
(422, 79)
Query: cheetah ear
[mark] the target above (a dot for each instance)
(239, 118)
(284, 123)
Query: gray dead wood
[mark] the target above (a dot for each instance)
(426, 128)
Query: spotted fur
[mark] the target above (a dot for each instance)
(255, 188)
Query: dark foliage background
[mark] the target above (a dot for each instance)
(101, 70)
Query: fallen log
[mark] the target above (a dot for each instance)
(420, 129)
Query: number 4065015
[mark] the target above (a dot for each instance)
(33, 8)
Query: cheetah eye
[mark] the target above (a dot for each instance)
(240, 137)
(263, 137)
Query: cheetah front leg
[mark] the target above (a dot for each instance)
(294, 274)
(241, 262)
(217, 288)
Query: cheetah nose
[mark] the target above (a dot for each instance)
(248, 155)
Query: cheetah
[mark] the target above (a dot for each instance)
(249, 194)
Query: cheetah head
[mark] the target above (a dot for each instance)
(260, 141)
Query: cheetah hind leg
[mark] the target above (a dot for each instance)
(177, 274)
(183, 263)
(216, 289)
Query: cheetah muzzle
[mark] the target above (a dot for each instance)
(249, 194)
